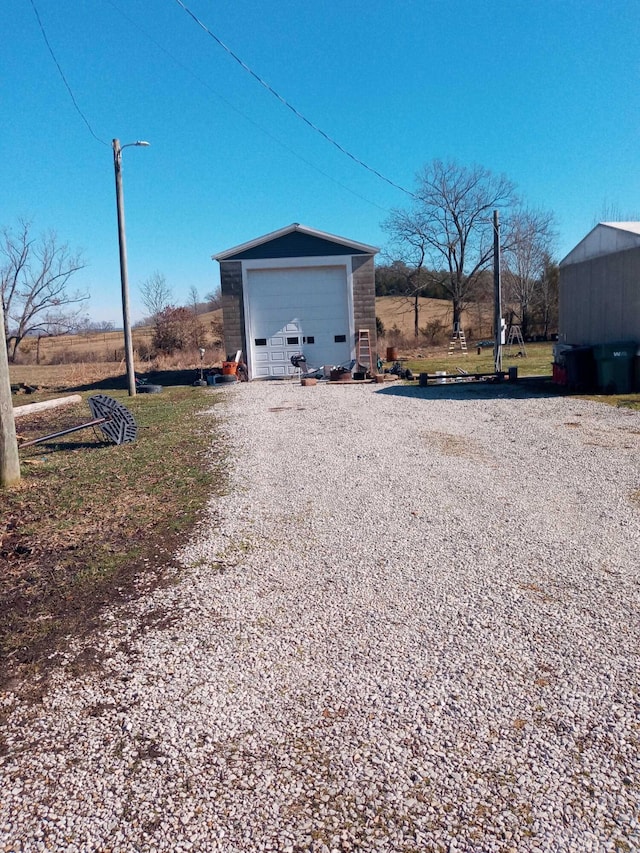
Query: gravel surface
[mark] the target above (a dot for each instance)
(411, 626)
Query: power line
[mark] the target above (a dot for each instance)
(241, 113)
(64, 79)
(290, 106)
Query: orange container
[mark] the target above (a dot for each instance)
(229, 368)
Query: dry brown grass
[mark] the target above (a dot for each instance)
(103, 346)
(397, 312)
(61, 377)
(58, 377)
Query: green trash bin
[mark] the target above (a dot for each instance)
(615, 367)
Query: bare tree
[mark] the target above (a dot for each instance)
(530, 241)
(449, 227)
(194, 299)
(214, 298)
(34, 278)
(613, 213)
(155, 293)
(409, 241)
(547, 297)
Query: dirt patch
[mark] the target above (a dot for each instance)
(92, 525)
(454, 445)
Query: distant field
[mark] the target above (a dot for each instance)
(396, 313)
(100, 346)
(58, 377)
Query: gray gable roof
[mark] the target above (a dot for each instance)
(295, 241)
(605, 239)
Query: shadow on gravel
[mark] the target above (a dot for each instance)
(523, 389)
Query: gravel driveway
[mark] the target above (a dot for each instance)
(412, 626)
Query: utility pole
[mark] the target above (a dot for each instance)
(124, 275)
(497, 295)
(9, 461)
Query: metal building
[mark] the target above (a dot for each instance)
(296, 290)
(599, 299)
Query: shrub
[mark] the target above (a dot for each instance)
(176, 329)
(435, 332)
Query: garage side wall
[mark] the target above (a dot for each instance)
(600, 300)
(364, 297)
(232, 306)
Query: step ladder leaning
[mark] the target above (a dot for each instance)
(458, 339)
(364, 356)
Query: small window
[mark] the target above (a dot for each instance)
(309, 340)
(293, 341)
(340, 339)
(260, 342)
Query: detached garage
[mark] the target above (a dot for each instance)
(297, 290)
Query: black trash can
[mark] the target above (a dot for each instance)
(580, 369)
(615, 367)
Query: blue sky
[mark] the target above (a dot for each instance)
(545, 92)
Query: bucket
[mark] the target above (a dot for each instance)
(229, 368)
(340, 375)
(392, 353)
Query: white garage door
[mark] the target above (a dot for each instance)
(297, 310)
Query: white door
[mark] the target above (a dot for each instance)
(296, 310)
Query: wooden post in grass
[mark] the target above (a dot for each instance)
(9, 461)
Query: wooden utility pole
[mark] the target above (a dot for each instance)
(124, 275)
(497, 295)
(124, 278)
(9, 461)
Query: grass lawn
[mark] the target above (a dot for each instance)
(537, 361)
(92, 522)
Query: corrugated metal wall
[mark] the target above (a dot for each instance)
(600, 300)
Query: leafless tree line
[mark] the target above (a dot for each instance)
(445, 239)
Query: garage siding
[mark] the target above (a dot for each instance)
(364, 297)
(295, 245)
(232, 306)
(600, 299)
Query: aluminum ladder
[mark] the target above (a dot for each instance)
(458, 338)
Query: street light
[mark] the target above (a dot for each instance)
(128, 346)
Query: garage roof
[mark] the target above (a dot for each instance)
(604, 239)
(295, 241)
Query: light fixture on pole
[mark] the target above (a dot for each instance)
(124, 280)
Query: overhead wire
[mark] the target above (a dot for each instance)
(290, 106)
(64, 79)
(247, 118)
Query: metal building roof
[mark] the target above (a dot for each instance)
(605, 239)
